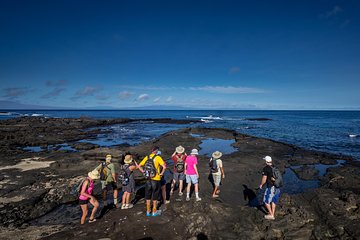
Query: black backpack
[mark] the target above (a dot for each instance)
(123, 176)
(180, 165)
(149, 168)
(213, 166)
(277, 177)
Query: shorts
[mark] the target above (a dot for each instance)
(272, 195)
(192, 179)
(130, 187)
(152, 190)
(178, 176)
(162, 181)
(82, 202)
(108, 185)
(217, 179)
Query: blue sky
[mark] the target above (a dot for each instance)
(196, 54)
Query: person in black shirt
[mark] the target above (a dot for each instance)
(272, 193)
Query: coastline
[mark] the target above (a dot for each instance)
(305, 214)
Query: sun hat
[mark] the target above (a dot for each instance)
(268, 159)
(217, 154)
(94, 174)
(128, 159)
(194, 152)
(180, 149)
(108, 158)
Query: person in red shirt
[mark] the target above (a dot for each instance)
(178, 157)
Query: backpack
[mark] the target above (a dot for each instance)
(277, 177)
(149, 168)
(180, 165)
(75, 188)
(104, 171)
(124, 177)
(213, 166)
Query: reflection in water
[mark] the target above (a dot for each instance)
(208, 146)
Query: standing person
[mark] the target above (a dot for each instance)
(179, 166)
(272, 193)
(108, 179)
(192, 174)
(217, 171)
(87, 197)
(150, 166)
(129, 166)
(162, 185)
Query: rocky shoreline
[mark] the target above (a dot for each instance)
(32, 192)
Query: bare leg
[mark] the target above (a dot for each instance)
(148, 202)
(84, 208)
(95, 203)
(115, 196)
(127, 197)
(180, 186)
(188, 188)
(273, 206)
(215, 191)
(154, 206)
(172, 186)
(163, 192)
(196, 188)
(124, 198)
(268, 207)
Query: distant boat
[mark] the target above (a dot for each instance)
(352, 135)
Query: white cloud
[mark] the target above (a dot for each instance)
(227, 90)
(234, 70)
(125, 95)
(146, 88)
(169, 99)
(156, 100)
(85, 92)
(332, 13)
(143, 97)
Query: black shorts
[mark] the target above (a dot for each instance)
(152, 190)
(82, 202)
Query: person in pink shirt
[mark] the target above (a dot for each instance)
(192, 174)
(86, 196)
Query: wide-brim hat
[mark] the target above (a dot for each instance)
(180, 149)
(268, 159)
(128, 159)
(94, 174)
(217, 154)
(194, 152)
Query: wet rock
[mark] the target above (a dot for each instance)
(306, 172)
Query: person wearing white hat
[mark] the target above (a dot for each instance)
(217, 171)
(192, 174)
(272, 193)
(108, 182)
(128, 187)
(87, 197)
(178, 157)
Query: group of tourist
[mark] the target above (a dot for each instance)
(153, 167)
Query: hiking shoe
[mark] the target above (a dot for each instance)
(198, 199)
(92, 220)
(124, 206)
(167, 201)
(148, 214)
(180, 194)
(187, 199)
(130, 205)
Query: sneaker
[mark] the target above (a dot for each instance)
(124, 206)
(198, 199)
(180, 194)
(167, 201)
(130, 205)
(269, 217)
(157, 213)
(92, 220)
(187, 199)
(148, 214)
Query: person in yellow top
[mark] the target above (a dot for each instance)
(150, 166)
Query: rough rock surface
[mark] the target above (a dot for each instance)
(36, 204)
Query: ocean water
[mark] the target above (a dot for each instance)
(329, 131)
